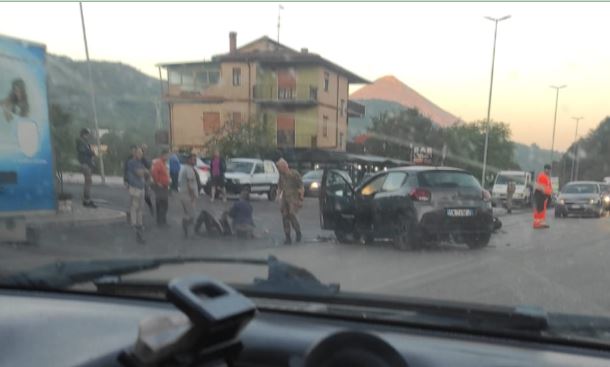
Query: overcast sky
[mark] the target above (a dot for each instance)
(442, 50)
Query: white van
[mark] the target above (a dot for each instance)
(523, 189)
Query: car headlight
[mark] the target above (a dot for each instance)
(606, 199)
(592, 201)
(314, 186)
(562, 202)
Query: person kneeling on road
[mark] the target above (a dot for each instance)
(241, 216)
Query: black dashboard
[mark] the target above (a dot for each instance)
(61, 329)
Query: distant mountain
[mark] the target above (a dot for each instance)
(125, 97)
(389, 88)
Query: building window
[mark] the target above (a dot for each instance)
(326, 80)
(285, 93)
(211, 122)
(341, 140)
(313, 93)
(236, 120)
(236, 77)
(214, 77)
(324, 126)
(174, 77)
(342, 107)
(285, 130)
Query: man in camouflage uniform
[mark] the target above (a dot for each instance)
(291, 199)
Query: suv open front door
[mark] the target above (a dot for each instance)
(336, 202)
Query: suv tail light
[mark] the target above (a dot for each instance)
(485, 195)
(419, 194)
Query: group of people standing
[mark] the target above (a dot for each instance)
(145, 179)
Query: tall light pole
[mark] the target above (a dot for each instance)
(491, 84)
(555, 120)
(574, 174)
(97, 130)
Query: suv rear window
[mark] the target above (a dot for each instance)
(447, 179)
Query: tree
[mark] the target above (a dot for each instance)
(393, 135)
(251, 139)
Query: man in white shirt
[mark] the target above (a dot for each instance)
(187, 182)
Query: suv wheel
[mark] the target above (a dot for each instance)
(478, 240)
(406, 237)
(272, 194)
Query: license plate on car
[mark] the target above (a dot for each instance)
(575, 206)
(460, 212)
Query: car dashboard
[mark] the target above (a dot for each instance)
(67, 329)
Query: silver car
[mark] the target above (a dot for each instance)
(582, 198)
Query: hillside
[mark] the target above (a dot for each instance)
(373, 108)
(389, 88)
(531, 157)
(593, 155)
(125, 97)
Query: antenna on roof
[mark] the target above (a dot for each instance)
(279, 10)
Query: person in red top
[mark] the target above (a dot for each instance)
(542, 195)
(161, 181)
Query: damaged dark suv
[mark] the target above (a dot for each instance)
(410, 205)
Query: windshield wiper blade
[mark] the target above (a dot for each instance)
(282, 277)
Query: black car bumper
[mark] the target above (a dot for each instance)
(437, 224)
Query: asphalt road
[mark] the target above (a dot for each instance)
(564, 268)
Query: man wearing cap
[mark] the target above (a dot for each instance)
(542, 195)
(291, 194)
(86, 157)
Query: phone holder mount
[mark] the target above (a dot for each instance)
(206, 333)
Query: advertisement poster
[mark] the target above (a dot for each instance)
(27, 179)
(422, 155)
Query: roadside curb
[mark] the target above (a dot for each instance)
(76, 219)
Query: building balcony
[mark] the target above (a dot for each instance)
(301, 95)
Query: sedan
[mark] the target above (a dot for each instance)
(410, 205)
(582, 198)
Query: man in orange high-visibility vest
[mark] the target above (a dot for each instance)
(542, 195)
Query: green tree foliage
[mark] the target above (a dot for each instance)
(394, 135)
(594, 154)
(252, 139)
(63, 137)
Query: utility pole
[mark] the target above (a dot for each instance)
(279, 10)
(555, 121)
(573, 173)
(92, 90)
(491, 84)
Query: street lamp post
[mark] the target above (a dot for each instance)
(493, 61)
(555, 119)
(574, 174)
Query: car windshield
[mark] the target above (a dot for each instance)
(505, 179)
(448, 179)
(240, 166)
(580, 189)
(313, 175)
(325, 136)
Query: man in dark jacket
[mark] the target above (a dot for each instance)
(217, 175)
(86, 157)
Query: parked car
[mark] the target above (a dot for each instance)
(583, 198)
(258, 176)
(410, 205)
(523, 188)
(312, 181)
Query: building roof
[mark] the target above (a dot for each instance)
(272, 52)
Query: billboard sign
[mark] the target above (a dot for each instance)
(27, 178)
(422, 155)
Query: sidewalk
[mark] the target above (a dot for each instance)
(77, 178)
(79, 217)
